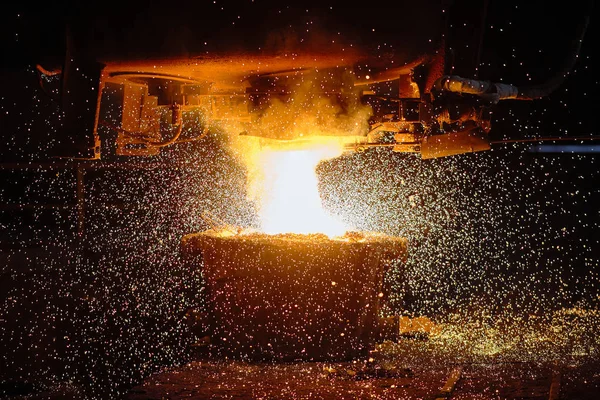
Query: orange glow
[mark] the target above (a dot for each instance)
(286, 190)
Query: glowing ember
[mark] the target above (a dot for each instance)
(287, 193)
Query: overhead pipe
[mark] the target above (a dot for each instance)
(493, 92)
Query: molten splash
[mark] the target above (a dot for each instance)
(286, 190)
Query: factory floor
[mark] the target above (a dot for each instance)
(395, 371)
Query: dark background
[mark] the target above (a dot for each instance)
(507, 231)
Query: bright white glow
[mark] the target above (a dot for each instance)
(289, 194)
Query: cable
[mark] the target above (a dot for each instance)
(139, 135)
(168, 142)
(544, 89)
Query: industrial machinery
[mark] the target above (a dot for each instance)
(418, 104)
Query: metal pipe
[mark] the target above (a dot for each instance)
(493, 92)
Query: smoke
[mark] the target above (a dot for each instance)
(313, 112)
(312, 104)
